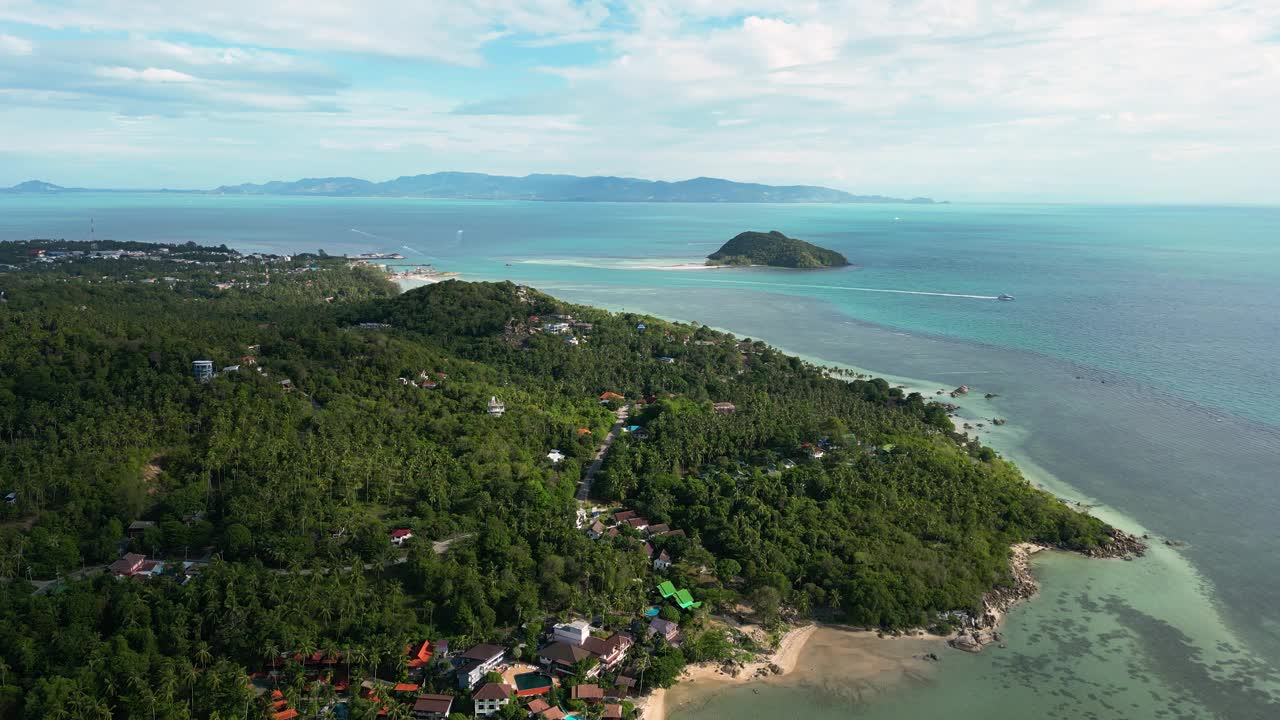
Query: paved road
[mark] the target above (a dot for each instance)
(584, 487)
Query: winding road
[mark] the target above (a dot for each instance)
(584, 487)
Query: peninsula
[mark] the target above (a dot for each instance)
(276, 482)
(776, 250)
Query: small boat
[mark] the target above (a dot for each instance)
(1004, 296)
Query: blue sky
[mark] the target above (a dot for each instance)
(1144, 100)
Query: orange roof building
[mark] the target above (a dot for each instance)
(419, 656)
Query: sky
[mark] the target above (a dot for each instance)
(1058, 100)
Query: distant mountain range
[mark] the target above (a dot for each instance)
(478, 186)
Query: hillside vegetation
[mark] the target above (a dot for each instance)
(775, 249)
(290, 489)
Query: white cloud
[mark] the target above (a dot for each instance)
(14, 45)
(451, 31)
(154, 75)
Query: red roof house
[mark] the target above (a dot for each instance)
(128, 565)
(419, 656)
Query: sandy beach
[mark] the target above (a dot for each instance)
(844, 662)
(698, 266)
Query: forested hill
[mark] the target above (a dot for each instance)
(775, 249)
(340, 410)
(465, 185)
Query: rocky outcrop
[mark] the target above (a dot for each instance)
(976, 633)
(962, 390)
(1122, 545)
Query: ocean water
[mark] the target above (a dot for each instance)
(1137, 369)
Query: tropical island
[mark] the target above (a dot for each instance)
(537, 187)
(274, 486)
(776, 250)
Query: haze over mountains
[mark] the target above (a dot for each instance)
(479, 186)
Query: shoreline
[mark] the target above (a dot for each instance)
(837, 657)
(784, 658)
(974, 633)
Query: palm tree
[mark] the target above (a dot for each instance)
(192, 675)
(643, 661)
(399, 711)
(202, 654)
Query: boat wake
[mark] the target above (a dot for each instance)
(855, 289)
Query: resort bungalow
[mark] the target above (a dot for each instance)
(587, 693)
(609, 651)
(555, 456)
(473, 664)
(612, 711)
(490, 697)
(662, 562)
(135, 565)
(432, 707)
(658, 529)
(419, 655)
(625, 685)
(561, 658)
(596, 530)
(138, 527)
(668, 630)
(400, 536)
(638, 523)
(574, 633)
(724, 408)
(496, 407)
(623, 516)
(540, 709)
(607, 396)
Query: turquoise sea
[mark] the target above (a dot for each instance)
(1138, 369)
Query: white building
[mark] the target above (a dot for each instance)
(475, 663)
(573, 633)
(496, 407)
(490, 697)
(202, 370)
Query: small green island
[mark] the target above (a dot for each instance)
(776, 250)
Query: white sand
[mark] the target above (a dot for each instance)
(853, 663)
